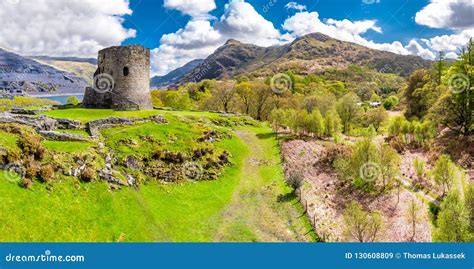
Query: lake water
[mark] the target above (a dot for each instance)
(63, 99)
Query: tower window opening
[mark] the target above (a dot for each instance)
(125, 71)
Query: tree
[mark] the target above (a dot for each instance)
(453, 222)
(348, 110)
(262, 103)
(333, 123)
(455, 108)
(390, 102)
(469, 202)
(439, 67)
(444, 173)
(389, 162)
(413, 217)
(316, 123)
(365, 164)
(376, 117)
(420, 93)
(244, 91)
(72, 100)
(224, 92)
(419, 166)
(360, 225)
(277, 119)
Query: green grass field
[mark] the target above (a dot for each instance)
(242, 205)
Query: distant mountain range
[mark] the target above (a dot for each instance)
(174, 76)
(21, 75)
(308, 54)
(311, 53)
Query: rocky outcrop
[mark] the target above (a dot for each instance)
(58, 136)
(22, 111)
(68, 124)
(41, 123)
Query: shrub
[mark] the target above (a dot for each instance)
(46, 173)
(31, 145)
(295, 180)
(27, 183)
(88, 174)
(72, 100)
(32, 169)
(390, 102)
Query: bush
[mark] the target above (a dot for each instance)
(46, 173)
(390, 102)
(27, 183)
(31, 145)
(295, 180)
(32, 169)
(88, 174)
(72, 100)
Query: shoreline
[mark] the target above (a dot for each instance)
(54, 95)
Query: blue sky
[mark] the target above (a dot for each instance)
(178, 31)
(396, 17)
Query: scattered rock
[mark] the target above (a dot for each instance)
(57, 136)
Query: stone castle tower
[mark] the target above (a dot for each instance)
(122, 79)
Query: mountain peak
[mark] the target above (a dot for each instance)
(317, 36)
(232, 42)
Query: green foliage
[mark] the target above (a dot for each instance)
(72, 100)
(24, 102)
(413, 131)
(370, 165)
(349, 111)
(420, 93)
(413, 216)
(333, 123)
(444, 173)
(177, 99)
(453, 220)
(455, 108)
(390, 102)
(419, 166)
(375, 117)
(362, 226)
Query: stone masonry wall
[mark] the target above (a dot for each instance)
(129, 68)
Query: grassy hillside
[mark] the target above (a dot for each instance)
(84, 70)
(215, 210)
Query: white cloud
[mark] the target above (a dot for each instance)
(452, 14)
(241, 21)
(192, 8)
(415, 48)
(450, 42)
(62, 28)
(308, 22)
(451, 55)
(200, 38)
(295, 6)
